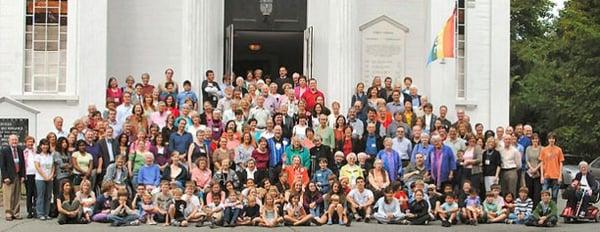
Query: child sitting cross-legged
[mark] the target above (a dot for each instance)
(493, 211)
(232, 207)
(121, 214)
(448, 210)
(545, 214)
(523, 208)
(295, 214)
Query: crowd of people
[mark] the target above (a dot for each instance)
(271, 151)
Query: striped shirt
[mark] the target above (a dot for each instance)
(523, 206)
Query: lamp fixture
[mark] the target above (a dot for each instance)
(254, 47)
(266, 7)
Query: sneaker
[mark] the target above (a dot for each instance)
(404, 222)
(426, 222)
(212, 225)
(348, 223)
(357, 217)
(445, 223)
(42, 218)
(175, 223)
(508, 221)
(329, 222)
(315, 221)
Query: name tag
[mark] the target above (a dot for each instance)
(278, 146)
(373, 145)
(487, 162)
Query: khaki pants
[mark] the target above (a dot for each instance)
(11, 194)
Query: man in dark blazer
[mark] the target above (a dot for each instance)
(109, 149)
(12, 167)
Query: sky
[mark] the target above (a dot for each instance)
(559, 4)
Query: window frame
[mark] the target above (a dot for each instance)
(461, 41)
(53, 74)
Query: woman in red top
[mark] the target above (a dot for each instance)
(261, 155)
(296, 172)
(339, 128)
(347, 144)
(172, 106)
(113, 92)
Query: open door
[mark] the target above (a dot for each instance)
(308, 49)
(229, 51)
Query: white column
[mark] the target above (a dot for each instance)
(499, 94)
(203, 35)
(342, 50)
(91, 52)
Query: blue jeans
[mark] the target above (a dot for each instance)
(122, 220)
(553, 186)
(316, 212)
(513, 216)
(44, 193)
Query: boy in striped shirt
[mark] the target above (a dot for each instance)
(523, 208)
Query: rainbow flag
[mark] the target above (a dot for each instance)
(443, 46)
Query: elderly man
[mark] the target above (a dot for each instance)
(441, 163)
(395, 124)
(402, 145)
(58, 127)
(391, 160)
(357, 124)
(510, 161)
(12, 168)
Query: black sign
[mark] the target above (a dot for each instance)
(18, 126)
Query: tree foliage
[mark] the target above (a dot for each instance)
(555, 73)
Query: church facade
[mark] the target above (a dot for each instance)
(56, 56)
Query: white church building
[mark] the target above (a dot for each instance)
(56, 55)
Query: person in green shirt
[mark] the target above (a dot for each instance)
(545, 214)
(325, 131)
(296, 149)
(492, 211)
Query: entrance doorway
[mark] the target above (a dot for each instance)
(267, 34)
(267, 50)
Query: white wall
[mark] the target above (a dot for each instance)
(144, 36)
(12, 40)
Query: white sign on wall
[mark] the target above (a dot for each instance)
(383, 43)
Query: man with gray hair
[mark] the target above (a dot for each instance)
(12, 168)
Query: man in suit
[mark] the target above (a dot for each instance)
(429, 118)
(109, 149)
(12, 167)
(282, 79)
(138, 96)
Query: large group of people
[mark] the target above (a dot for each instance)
(271, 151)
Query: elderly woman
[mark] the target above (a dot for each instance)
(391, 160)
(297, 172)
(441, 162)
(587, 183)
(149, 174)
(296, 149)
(351, 170)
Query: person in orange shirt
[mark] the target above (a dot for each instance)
(551, 158)
(297, 172)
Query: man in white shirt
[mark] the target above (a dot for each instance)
(402, 145)
(454, 142)
(124, 110)
(361, 200)
(260, 114)
(58, 126)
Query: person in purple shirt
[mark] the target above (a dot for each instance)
(441, 162)
(391, 160)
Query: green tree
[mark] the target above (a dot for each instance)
(556, 83)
